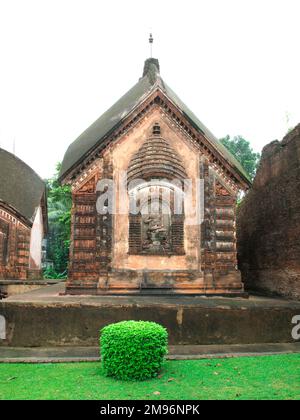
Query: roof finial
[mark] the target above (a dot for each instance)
(151, 44)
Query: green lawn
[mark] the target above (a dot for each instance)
(266, 377)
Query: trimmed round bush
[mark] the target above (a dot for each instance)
(133, 350)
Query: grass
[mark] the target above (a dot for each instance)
(265, 377)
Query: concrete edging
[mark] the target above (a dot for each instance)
(91, 354)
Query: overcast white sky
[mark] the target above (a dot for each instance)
(235, 63)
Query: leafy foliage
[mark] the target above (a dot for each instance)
(242, 150)
(51, 273)
(133, 350)
(273, 377)
(59, 214)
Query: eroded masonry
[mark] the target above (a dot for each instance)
(269, 222)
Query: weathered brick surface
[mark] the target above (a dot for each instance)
(269, 222)
(108, 253)
(14, 247)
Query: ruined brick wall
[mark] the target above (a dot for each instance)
(269, 222)
(14, 247)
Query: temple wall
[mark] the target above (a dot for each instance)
(14, 246)
(269, 222)
(122, 153)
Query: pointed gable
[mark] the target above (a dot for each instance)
(112, 119)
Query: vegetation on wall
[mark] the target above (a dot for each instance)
(243, 152)
(59, 214)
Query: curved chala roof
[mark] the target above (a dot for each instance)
(102, 128)
(20, 187)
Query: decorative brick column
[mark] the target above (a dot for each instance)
(104, 232)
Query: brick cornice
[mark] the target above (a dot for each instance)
(11, 215)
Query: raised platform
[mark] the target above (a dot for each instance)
(44, 318)
(13, 287)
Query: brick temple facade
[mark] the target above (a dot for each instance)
(23, 219)
(269, 222)
(153, 138)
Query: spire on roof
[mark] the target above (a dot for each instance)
(151, 44)
(151, 68)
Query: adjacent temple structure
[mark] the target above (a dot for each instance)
(151, 136)
(23, 219)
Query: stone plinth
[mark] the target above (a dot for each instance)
(45, 318)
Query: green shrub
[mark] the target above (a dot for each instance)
(133, 350)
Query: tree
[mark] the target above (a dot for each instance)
(243, 152)
(59, 215)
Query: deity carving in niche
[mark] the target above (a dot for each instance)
(156, 228)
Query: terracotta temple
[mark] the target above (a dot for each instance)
(23, 219)
(129, 172)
